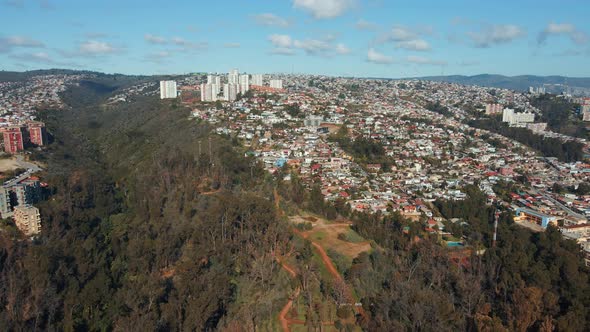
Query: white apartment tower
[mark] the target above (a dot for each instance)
(244, 83)
(277, 84)
(256, 79)
(232, 77)
(230, 92)
(168, 89)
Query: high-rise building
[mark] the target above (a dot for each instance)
(276, 84)
(213, 79)
(232, 77)
(586, 113)
(230, 92)
(215, 89)
(5, 206)
(206, 92)
(27, 219)
(493, 109)
(37, 132)
(244, 83)
(14, 139)
(257, 79)
(168, 89)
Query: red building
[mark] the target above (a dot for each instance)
(37, 132)
(14, 139)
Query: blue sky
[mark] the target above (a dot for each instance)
(368, 38)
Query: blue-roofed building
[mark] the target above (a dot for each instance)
(524, 214)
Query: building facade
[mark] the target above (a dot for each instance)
(14, 139)
(168, 89)
(27, 219)
(37, 133)
(257, 79)
(277, 84)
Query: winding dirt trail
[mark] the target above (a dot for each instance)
(327, 262)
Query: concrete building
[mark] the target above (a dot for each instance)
(585, 112)
(37, 132)
(168, 89)
(230, 92)
(244, 83)
(27, 219)
(543, 220)
(493, 109)
(5, 206)
(257, 79)
(206, 92)
(14, 139)
(277, 84)
(232, 77)
(517, 119)
(213, 79)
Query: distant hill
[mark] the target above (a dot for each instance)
(522, 82)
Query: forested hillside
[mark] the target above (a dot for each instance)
(140, 232)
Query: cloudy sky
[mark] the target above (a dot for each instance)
(369, 38)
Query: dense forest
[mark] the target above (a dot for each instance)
(154, 223)
(547, 146)
(141, 232)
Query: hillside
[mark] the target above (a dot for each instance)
(521, 83)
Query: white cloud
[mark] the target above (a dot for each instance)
(23, 42)
(342, 49)
(282, 51)
(35, 57)
(158, 57)
(94, 47)
(269, 19)
(312, 46)
(282, 41)
(414, 45)
(7, 43)
(424, 61)
(285, 45)
(152, 39)
(321, 9)
(496, 34)
(365, 25)
(376, 57)
(566, 29)
(406, 38)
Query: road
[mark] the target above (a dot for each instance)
(20, 160)
(563, 207)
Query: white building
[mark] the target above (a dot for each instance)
(168, 89)
(517, 119)
(586, 113)
(257, 79)
(232, 77)
(244, 83)
(277, 84)
(230, 92)
(206, 92)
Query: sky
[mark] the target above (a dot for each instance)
(362, 38)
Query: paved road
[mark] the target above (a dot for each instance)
(20, 160)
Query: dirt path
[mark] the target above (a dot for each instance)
(284, 321)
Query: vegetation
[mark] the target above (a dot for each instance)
(127, 239)
(548, 146)
(560, 115)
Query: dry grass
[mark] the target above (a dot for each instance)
(326, 235)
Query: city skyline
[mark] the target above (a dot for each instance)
(369, 38)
